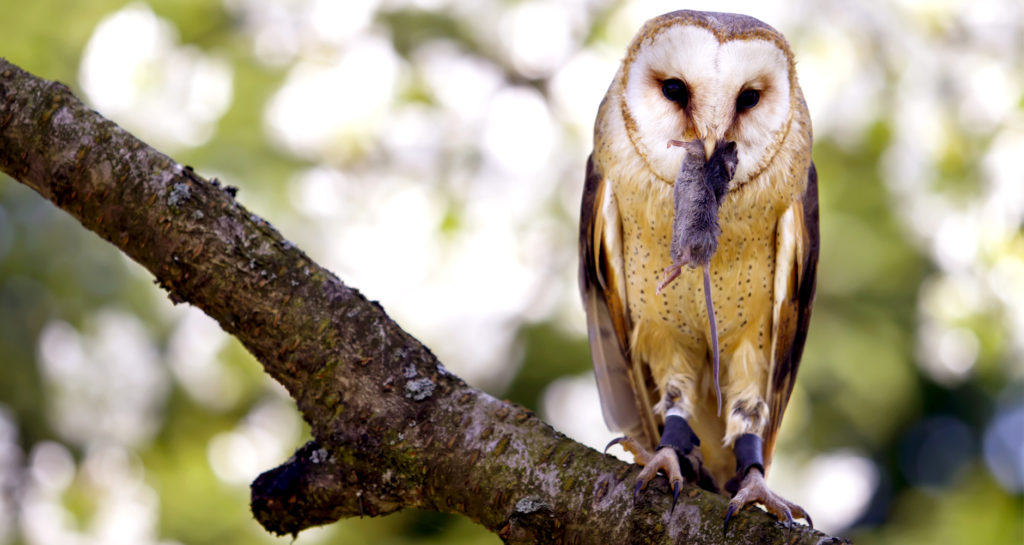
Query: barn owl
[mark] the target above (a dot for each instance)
(701, 163)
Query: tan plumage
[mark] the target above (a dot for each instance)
(651, 351)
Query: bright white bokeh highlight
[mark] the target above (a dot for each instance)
(332, 108)
(835, 487)
(573, 406)
(433, 284)
(518, 132)
(126, 509)
(282, 31)
(461, 83)
(192, 355)
(105, 384)
(134, 71)
(578, 86)
(267, 435)
(538, 36)
(51, 466)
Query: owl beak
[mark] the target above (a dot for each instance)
(713, 146)
(709, 147)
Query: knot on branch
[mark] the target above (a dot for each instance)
(314, 487)
(531, 521)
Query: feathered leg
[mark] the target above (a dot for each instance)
(678, 453)
(747, 418)
(752, 488)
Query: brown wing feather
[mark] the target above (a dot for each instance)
(604, 301)
(793, 313)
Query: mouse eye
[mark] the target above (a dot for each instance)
(676, 91)
(747, 100)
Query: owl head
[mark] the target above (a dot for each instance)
(712, 76)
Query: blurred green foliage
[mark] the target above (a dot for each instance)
(866, 385)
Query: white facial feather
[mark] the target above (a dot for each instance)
(715, 74)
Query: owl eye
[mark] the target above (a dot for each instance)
(747, 100)
(676, 91)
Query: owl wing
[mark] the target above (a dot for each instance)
(602, 285)
(796, 261)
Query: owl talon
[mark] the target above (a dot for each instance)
(728, 515)
(753, 489)
(612, 443)
(640, 455)
(664, 459)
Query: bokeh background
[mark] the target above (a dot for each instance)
(431, 153)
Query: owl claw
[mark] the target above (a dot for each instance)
(753, 489)
(640, 455)
(612, 443)
(728, 515)
(664, 459)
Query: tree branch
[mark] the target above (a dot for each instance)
(392, 428)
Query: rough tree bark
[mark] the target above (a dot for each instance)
(391, 427)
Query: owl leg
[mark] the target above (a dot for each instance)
(747, 418)
(677, 454)
(678, 440)
(662, 459)
(752, 487)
